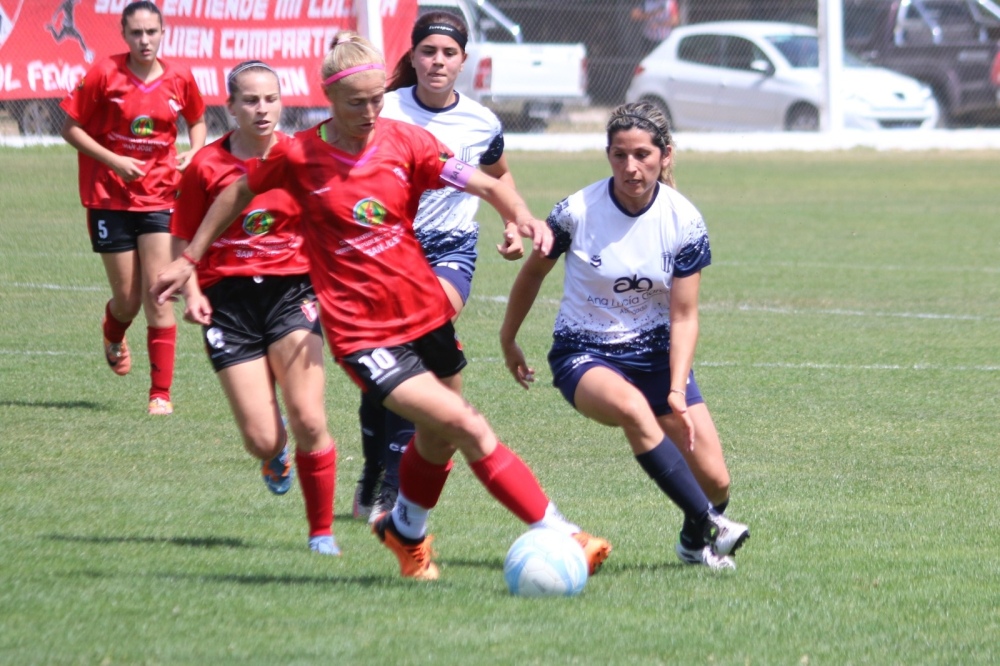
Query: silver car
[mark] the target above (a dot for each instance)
(755, 75)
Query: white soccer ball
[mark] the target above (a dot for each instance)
(545, 563)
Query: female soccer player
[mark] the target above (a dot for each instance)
(256, 305)
(422, 92)
(122, 119)
(627, 326)
(359, 179)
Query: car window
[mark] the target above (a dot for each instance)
(740, 53)
(701, 49)
(799, 50)
(860, 22)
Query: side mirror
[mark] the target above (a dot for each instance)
(762, 66)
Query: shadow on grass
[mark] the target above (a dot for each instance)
(263, 579)
(191, 542)
(72, 404)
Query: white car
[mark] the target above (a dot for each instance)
(750, 75)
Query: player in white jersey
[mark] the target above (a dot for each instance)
(422, 92)
(627, 326)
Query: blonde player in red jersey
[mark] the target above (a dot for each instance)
(359, 179)
(122, 119)
(256, 305)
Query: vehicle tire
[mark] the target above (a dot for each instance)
(662, 106)
(802, 118)
(944, 118)
(40, 117)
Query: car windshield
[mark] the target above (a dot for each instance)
(802, 51)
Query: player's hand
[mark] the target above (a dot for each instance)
(128, 168)
(517, 364)
(170, 280)
(678, 405)
(184, 159)
(511, 248)
(198, 309)
(539, 233)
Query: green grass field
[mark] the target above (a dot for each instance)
(849, 352)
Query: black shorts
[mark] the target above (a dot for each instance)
(249, 314)
(380, 370)
(119, 230)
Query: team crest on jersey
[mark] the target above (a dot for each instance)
(258, 222)
(175, 105)
(142, 126)
(667, 262)
(310, 310)
(369, 212)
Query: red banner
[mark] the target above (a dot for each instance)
(46, 46)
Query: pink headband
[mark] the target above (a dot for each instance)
(333, 78)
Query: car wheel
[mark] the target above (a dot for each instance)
(944, 119)
(40, 117)
(662, 106)
(802, 118)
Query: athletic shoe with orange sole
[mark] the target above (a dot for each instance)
(118, 356)
(278, 472)
(595, 548)
(160, 407)
(414, 555)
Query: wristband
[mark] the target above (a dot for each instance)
(187, 257)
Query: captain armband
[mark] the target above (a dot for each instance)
(457, 173)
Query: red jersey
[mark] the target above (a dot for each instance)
(134, 119)
(264, 240)
(374, 286)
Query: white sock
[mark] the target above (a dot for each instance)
(410, 519)
(554, 520)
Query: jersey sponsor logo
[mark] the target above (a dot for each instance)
(634, 283)
(258, 222)
(369, 212)
(142, 126)
(595, 261)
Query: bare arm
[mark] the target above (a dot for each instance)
(127, 168)
(511, 248)
(523, 293)
(226, 206)
(683, 340)
(197, 308)
(197, 133)
(511, 206)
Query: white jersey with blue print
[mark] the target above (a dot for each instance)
(619, 271)
(445, 223)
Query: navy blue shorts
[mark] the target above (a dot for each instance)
(380, 370)
(458, 277)
(249, 314)
(114, 231)
(569, 366)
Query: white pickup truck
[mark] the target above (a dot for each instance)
(524, 83)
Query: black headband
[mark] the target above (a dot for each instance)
(656, 128)
(420, 33)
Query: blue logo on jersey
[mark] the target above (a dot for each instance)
(595, 261)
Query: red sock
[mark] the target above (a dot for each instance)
(161, 343)
(114, 330)
(510, 480)
(421, 481)
(318, 480)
